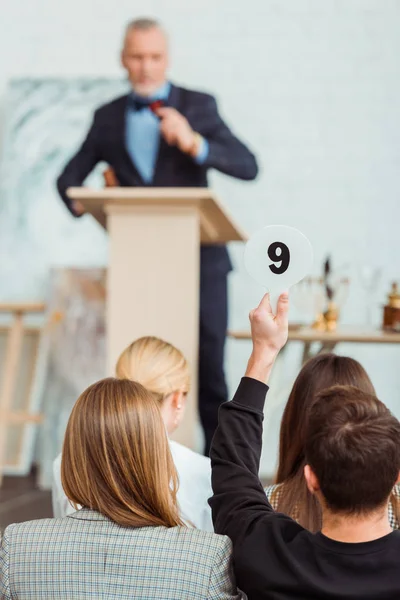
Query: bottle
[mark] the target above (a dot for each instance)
(391, 312)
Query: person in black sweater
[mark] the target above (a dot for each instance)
(353, 462)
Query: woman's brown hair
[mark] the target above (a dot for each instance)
(321, 372)
(116, 457)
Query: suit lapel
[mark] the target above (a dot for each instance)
(174, 100)
(121, 145)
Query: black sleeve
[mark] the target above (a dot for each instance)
(239, 497)
(226, 152)
(79, 166)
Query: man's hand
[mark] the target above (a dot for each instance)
(269, 333)
(176, 130)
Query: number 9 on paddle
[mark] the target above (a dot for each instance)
(278, 257)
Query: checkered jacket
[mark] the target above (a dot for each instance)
(274, 492)
(86, 556)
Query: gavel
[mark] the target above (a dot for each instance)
(110, 179)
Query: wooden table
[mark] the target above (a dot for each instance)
(328, 340)
(11, 373)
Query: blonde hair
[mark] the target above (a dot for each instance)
(116, 457)
(157, 365)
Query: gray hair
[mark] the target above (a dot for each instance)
(142, 24)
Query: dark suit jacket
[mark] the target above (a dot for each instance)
(106, 142)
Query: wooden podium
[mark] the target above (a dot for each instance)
(154, 267)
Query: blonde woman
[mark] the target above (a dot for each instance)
(163, 370)
(128, 540)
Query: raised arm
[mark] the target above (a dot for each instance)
(239, 498)
(79, 168)
(226, 152)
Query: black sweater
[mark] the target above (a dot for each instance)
(273, 556)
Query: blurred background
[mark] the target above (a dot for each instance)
(313, 88)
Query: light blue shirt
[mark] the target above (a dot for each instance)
(142, 131)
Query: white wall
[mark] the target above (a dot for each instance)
(312, 85)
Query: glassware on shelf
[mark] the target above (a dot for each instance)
(321, 299)
(370, 276)
(309, 298)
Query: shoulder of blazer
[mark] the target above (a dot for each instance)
(116, 106)
(189, 98)
(212, 544)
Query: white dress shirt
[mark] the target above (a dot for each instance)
(194, 472)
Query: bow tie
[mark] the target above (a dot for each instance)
(138, 104)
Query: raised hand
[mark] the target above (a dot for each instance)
(269, 334)
(176, 130)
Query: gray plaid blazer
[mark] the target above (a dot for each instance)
(87, 556)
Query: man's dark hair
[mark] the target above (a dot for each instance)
(353, 447)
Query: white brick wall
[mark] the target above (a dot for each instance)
(312, 85)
